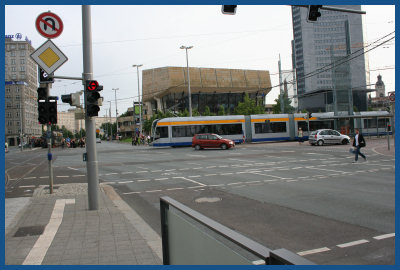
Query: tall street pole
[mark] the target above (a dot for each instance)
(91, 163)
(116, 110)
(188, 78)
(140, 105)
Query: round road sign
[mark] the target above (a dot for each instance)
(391, 97)
(49, 25)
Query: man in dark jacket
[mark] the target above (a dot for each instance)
(358, 143)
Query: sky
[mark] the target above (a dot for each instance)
(123, 36)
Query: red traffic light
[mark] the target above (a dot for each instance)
(92, 85)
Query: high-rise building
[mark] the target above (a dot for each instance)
(21, 114)
(330, 44)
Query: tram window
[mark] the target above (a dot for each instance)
(179, 131)
(303, 125)
(273, 127)
(382, 123)
(162, 132)
(369, 123)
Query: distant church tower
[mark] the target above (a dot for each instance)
(380, 87)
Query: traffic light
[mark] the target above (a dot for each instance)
(313, 13)
(52, 110)
(229, 9)
(42, 106)
(92, 97)
(74, 99)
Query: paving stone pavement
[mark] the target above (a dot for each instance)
(58, 229)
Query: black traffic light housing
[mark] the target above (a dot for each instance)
(229, 9)
(313, 13)
(92, 96)
(52, 110)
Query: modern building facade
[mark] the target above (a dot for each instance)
(166, 89)
(328, 55)
(21, 81)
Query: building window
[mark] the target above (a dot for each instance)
(22, 46)
(22, 53)
(22, 61)
(12, 47)
(14, 76)
(13, 53)
(22, 68)
(13, 69)
(12, 61)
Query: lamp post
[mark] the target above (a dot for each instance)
(140, 105)
(116, 110)
(188, 78)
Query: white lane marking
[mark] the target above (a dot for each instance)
(250, 182)
(110, 173)
(32, 177)
(170, 170)
(108, 182)
(220, 185)
(211, 174)
(184, 169)
(194, 176)
(354, 243)
(39, 250)
(157, 190)
(144, 180)
(39, 177)
(175, 188)
(27, 186)
(313, 251)
(237, 183)
(238, 159)
(226, 173)
(209, 167)
(73, 169)
(190, 180)
(78, 175)
(134, 192)
(62, 176)
(196, 187)
(126, 172)
(384, 236)
(161, 179)
(142, 171)
(125, 182)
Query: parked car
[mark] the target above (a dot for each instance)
(327, 136)
(98, 140)
(211, 140)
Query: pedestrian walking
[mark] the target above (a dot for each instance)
(300, 135)
(358, 143)
(6, 146)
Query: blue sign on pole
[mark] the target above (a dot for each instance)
(48, 134)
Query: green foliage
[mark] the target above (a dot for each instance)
(106, 127)
(221, 110)
(207, 112)
(286, 102)
(248, 106)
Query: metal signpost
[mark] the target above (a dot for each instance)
(49, 58)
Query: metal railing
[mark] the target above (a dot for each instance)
(189, 237)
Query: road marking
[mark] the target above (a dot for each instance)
(238, 159)
(170, 170)
(157, 190)
(110, 173)
(196, 187)
(78, 175)
(39, 177)
(27, 186)
(62, 176)
(126, 172)
(313, 251)
(209, 167)
(236, 183)
(161, 179)
(354, 243)
(384, 236)
(39, 250)
(32, 177)
(220, 185)
(250, 182)
(226, 173)
(73, 169)
(195, 176)
(144, 180)
(134, 192)
(175, 188)
(211, 174)
(142, 171)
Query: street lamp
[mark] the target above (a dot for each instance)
(116, 110)
(140, 105)
(188, 76)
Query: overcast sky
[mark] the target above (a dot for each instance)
(151, 35)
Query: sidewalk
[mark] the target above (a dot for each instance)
(58, 229)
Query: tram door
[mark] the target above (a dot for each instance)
(292, 128)
(247, 126)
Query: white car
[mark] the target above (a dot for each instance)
(327, 136)
(98, 140)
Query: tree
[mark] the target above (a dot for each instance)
(207, 112)
(286, 102)
(248, 106)
(221, 110)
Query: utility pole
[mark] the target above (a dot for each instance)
(110, 125)
(91, 163)
(116, 110)
(281, 96)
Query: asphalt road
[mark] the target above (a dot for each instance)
(310, 200)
